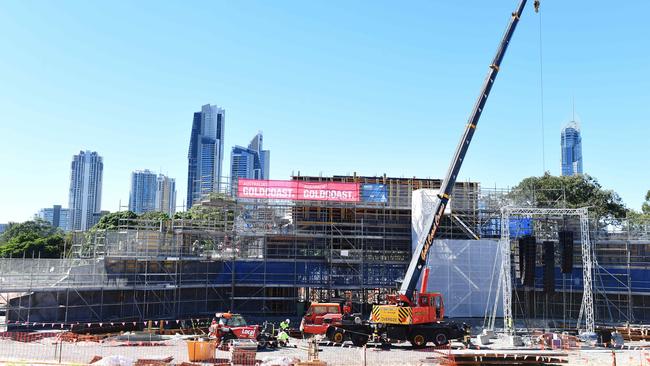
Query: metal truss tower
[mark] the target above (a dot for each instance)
(587, 307)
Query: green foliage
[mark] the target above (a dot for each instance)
(642, 217)
(30, 245)
(37, 227)
(154, 215)
(182, 215)
(577, 190)
(111, 221)
(645, 208)
(35, 238)
(217, 207)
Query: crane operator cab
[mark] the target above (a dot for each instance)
(432, 301)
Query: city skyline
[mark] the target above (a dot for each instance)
(395, 104)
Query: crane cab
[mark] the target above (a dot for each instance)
(428, 308)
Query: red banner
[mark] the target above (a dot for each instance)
(297, 190)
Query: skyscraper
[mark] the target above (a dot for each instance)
(142, 197)
(166, 195)
(205, 155)
(251, 162)
(571, 143)
(85, 195)
(55, 215)
(263, 157)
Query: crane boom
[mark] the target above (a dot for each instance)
(421, 251)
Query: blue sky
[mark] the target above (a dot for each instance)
(337, 87)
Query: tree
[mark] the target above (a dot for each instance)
(37, 227)
(576, 191)
(154, 215)
(112, 220)
(217, 207)
(35, 238)
(645, 208)
(643, 217)
(30, 245)
(183, 215)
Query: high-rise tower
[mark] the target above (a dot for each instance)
(571, 142)
(166, 195)
(85, 195)
(142, 198)
(251, 162)
(205, 155)
(55, 215)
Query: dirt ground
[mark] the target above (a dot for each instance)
(46, 350)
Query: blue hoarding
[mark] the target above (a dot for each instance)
(374, 193)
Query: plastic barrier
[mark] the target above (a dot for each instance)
(201, 350)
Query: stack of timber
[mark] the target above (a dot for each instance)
(634, 333)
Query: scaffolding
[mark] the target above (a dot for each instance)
(255, 256)
(269, 258)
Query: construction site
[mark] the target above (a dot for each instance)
(263, 258)
(343, 270)
(270, 259)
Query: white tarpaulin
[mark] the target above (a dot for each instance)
(464, 271)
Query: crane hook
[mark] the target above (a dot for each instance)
(536, 4)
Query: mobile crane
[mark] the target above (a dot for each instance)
(418, 318)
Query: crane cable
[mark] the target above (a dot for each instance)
(541, 88)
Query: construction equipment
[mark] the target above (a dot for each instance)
(418, 318)
(228, 326)
(321, 315)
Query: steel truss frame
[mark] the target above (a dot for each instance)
(587, 307)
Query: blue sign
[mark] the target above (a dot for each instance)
(374, 193)
(520, 227)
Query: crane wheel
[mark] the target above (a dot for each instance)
(337, 336)
(418, 340)
(440, 338)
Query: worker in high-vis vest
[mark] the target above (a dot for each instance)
(285, 324)
(283, 338)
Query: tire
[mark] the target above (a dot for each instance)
(418, 340)
(226, 338)
(359, 340)
(262, 341)
(337, 336)
(440, 338)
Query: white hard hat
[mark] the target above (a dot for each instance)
(288, 321)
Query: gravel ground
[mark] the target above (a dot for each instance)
(12, 352)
